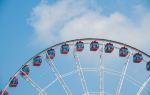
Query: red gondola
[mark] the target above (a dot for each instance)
(5, 92)
(94, 46)
(109, 48)
(137, 58)
(79, 46)
(37, 61)
(51, 53)
(25, 70)
(123, 52)
(148, 66)
(64, 49)
(13, 82)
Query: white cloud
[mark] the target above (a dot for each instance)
(69, 19)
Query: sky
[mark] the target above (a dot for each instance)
(28, 27)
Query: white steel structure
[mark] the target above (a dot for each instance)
(85, 72)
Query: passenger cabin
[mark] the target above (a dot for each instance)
(37, 61)
(13, 82)
(109, 48)
(5, 92)
(64, 49)
(79, 46)
(50, 53)
(25, 70)
(94, 46)
(123, 52)
(148, 66)
(137, 58)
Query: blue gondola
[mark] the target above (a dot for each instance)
(123, 52)
(25, 70)
(13, 82)
(5, 92)
(64, 49)
(148, 66)
(137, 58)
(51, 53)
(109, 48)
(79, 46)
(37, 61)
(94, 46)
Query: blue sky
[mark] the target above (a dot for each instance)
(29, 26)
(15, 34)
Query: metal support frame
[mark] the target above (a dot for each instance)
(101, 71)
(34, 85)
(80, 72)
(143, 86)
(124, 70)
(59, 77)
(64, 75)
(62, 81)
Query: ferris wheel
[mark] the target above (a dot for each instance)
(89, 66)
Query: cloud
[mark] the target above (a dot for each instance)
(72, 19)
(69, 19)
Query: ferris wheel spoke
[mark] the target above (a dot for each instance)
(97, 93)
(124, 70)
(34, 85)
(101, 71)
(59, 77)
(64, 75)
(131, 79)
(128, 77)
(89, 69)
(80, 73)
(137, 83)
(143, 86)
(122, 75)
(69, 73)
(48, 86)
(112, 71)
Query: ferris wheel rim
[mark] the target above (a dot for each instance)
(85, 39)
(75, 40)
